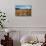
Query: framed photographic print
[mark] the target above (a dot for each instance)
(23, 10)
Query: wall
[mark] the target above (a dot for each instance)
(37, 22)
(38, 18)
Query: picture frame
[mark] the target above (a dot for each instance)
(23, 10)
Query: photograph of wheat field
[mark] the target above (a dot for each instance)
(23, 10)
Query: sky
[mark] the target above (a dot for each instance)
(24, 6)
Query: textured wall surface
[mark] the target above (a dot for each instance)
(38, 18)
